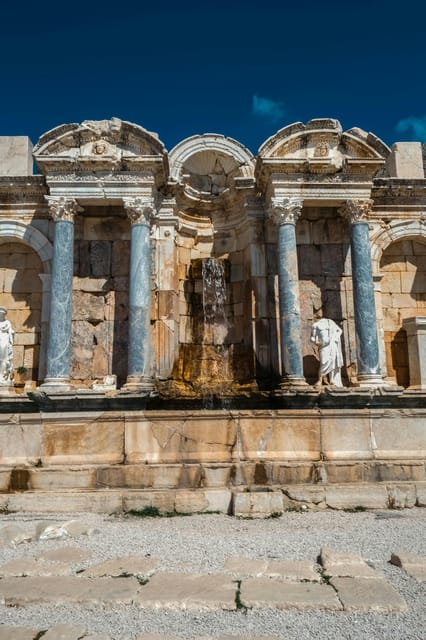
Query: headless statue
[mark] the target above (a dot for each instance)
(6, 348)
(326, 336)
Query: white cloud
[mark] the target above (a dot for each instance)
(267, 108)
(415, 128)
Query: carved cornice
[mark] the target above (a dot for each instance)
(356, 210)
(285, 210)
(140, 210)
(63, 209)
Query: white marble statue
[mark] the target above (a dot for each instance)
(6, 348)
(326, 336)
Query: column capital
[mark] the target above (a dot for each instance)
(139, 210)
(285, 210)
(356, 210)
(62, 208)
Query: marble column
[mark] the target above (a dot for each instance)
(368, 356)
(285, 213)
(58, 357)
(139, 378)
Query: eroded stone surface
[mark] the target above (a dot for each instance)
(17, 633)
(361, 594)
(22, 567)
(413, 564)
(274, 594)
(125, 566)
(345, 564)
(66, 632)
(292, 570)
(65, 554)
(13, 534)
(51, 590)
(185, 591)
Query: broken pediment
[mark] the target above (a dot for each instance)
(321, 147)
(100, 145)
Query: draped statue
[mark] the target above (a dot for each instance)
(6, 348)
(326, 335)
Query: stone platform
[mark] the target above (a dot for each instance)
(367, 450)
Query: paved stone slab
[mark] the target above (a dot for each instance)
(124, 566)
(412, 563)
(293, 570)
(65, 554)
(361, 594)
(13, 534)
(344, 564)
(31, 567)
(186, 591)
(25, 591)
(66, 632)
(274, 594)
(18, 633)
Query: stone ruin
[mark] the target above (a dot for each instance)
(162, 306)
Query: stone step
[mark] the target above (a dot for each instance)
(208, 475)
(243, 502)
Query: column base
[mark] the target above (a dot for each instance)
(56, 385)
(373, 381)
(294, 384)
(7, 389)
(140, 385)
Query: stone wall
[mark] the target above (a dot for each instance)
(403, 287)
(21, 295)
(100, 296)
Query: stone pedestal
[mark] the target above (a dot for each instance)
(416, 339)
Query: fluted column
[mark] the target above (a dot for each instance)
(285, 213)
(368, 358)
(140, 212)
(58, 358)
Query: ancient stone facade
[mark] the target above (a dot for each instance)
(129, 272)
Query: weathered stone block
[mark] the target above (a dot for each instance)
(260, 504)
(367, 594)
(186, 591)
(400, 434)
(345, 436)
(350, 496)
(57, 479)
(65, 501)
(275, 594)
(82, 438)
(20, 440)
(15, 156)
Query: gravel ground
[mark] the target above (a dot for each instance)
(200, 544)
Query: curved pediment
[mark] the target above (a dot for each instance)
(321, 146)
(98, 145)
(207, 166)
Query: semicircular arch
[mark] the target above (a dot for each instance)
(15, 230)
(395, 232)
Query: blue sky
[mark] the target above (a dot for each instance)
(243, 69)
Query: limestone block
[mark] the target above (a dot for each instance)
(13, 535)
(66, 632)
(132, 476)
(181, 438)
(260, 504)
(4, 479)
(18, 633)
(21, 567)
(138, 566)
(395, 282)
(91, 285)
(273, 594)
(402, 496)
(120, 262)
(66, 501)
(215, 475)
(291, 473)
(186, 591)
(167, 476)
(400, 434)
(291, 436)
(57, 479)
(405, 160)
(20, 440)
(413, 564)
(344, 436)
(16, 156)
(68, 589)
(421, 494)
(345, 564)
(350, 496)
(218, 500)
(368, 594)
(88, 306)
(306, 493)
(190, 502)
(164, 501)
(82, 438)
